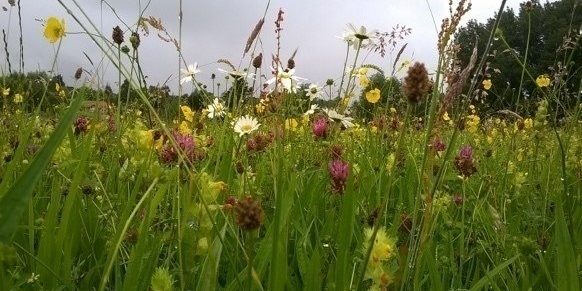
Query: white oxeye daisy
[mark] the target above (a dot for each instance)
(216, 109)
(188, 73)
(286, 78)
(364, 35)
(245, 125)
(237, 74)
(361, 32)
(348, 37)
(313, 91)
(311, 110)
(333, 115)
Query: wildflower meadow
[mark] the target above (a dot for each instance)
(244, 175)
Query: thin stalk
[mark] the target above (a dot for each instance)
(21, 64)
(427, 215)
(339, 92)
(180, 234)
(455, 134)
(6, 51)
(107, 49)
(113, 254)
(377, 225)
(250, 253)
(43, 264)
(524, 61)
(348, 91)
(254, 81)
(330, 91)
(118, 113)
(56, 56)
(180, 45)
(462, 238)
(130, 76)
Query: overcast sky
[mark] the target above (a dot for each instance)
(216, 29)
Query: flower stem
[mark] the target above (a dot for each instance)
(118, 115)
(399, 150)
(524, 61)
(56, 56)
(250, 247)
(353, 68)
(339, 92)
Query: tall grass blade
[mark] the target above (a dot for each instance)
(489, 275)
(13, 203)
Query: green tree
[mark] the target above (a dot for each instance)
(390, 95)
(554, 45)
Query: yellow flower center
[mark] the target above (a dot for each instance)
(246, 127)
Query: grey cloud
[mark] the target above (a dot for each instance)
(219, 29)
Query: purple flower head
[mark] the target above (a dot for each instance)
(185, 142)
(438, 145)
(339, 171)
(466, 152)
(111, 124)
(186, 145)
(81, 125)
(259, 142)
(168, 155)
(464, 162)
(251, 145)
(458, 199)
(319, 127)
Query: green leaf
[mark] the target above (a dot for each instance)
(488, 277)
(209, 274)
(13, 203)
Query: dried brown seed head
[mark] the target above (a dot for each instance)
(117, 35)
(416, 83)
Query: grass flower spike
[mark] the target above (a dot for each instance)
(416, 83)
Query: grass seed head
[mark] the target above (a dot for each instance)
(416, 83)
(249, 214)
(117, 35)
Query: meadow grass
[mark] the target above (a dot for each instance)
(421, 192)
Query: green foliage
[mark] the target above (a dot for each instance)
(162, 280)
(154, 201)
(390, 92)
(14, 199)
(553, 29)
